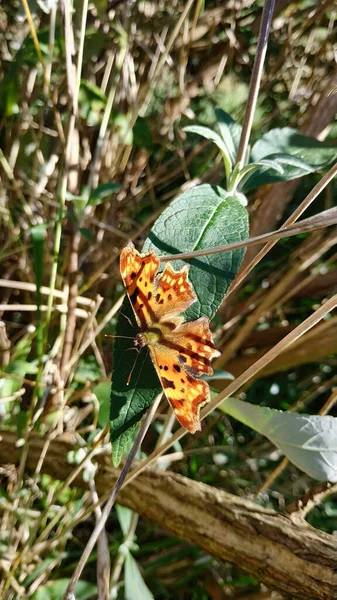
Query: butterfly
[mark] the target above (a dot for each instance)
(180, 351)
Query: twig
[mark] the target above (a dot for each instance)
(323, 219)
(261, 50)
(4, 345)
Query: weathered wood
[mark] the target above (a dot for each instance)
(294, 559)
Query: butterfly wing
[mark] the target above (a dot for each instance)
(194, 346)
(138, 274)
(154, 297)
(181, 355)
(185, 393)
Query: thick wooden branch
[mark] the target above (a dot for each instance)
(296, 560)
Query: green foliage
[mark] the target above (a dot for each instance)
(279, 155)
(135, 586)
(309, 441)
(54, 590)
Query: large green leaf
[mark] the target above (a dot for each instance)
(295, 153)
(309, 441)
(290, 141)
(201, 218)
(128, 403)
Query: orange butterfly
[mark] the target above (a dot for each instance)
(179, 351)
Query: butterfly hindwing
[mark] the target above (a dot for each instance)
(185, 393)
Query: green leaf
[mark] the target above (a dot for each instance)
(78, 204)
(230, 132)
(289, 167)
(102, 191)
(135, 586)
(309, 441)
(296, 154)
(55, 590)
(124, 516)
(93, 91)
(87, 369)
(211, 135)
(19, 369)
(201, 218)
(288, 141)
(142, 137)
(102, 392)
(87, 234)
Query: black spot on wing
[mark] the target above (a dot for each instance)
(167, 383)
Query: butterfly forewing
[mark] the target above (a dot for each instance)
(138, 274)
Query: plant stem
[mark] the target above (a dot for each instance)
(261, 50)
(33, 33)
(72, 101)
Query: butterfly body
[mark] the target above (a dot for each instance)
(180, 351)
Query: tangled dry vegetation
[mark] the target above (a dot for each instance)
(140, 72)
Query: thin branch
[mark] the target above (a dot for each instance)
(261, 50)
(323, 219)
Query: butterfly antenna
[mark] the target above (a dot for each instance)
(124, 337)
(133, 366)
